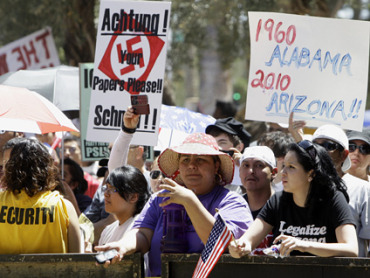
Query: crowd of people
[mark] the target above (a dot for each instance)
(307, 194)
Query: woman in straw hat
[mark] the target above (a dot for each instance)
(197, 171)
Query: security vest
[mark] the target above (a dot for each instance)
(35, 224)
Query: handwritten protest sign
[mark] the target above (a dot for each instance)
(90, 150)
(315, 67)
(35, 51)
(129, 60)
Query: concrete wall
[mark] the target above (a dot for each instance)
(183, 265)
(67, 265)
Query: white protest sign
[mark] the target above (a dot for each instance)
(36, 51)
(315, 67)
(91, 150)
(129, 60)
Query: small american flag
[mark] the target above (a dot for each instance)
(218, 240)
(183, 119)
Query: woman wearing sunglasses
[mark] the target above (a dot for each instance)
(156, 177)
(359, 153)
(311, 215)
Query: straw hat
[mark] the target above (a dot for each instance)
(196, 144)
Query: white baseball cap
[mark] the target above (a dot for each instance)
(335, 134)
(262, 153)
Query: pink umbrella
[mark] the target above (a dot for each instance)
(23, 110)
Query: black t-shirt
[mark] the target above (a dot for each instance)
(289, 219)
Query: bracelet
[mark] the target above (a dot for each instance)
(128, 130)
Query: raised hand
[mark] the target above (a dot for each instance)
(130, 120)
(296, 128)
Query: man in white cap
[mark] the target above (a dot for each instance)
(257, 171)
(335, 141)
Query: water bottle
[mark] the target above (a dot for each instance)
(174, 229)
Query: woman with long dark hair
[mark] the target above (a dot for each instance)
(125, 194)
(311, 215)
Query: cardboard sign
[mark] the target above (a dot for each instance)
(35, 51)
(91, 150)
(315, 67)
(129, 60)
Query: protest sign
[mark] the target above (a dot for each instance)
(314, 67)
(90, 150)
(129, 60)
(35, 51)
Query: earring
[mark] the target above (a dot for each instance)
(218, 178)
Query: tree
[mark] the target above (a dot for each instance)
(218, 30)
(208, 36)
(72, 23)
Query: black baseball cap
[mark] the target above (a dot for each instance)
(231, 126)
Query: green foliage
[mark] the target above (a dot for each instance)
(190, 20)
(20, 18)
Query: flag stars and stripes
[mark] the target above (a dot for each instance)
(217, 241)
(212, 240)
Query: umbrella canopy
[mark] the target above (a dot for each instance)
(60, 85)
(26, 111)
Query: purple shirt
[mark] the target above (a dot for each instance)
(233, 208)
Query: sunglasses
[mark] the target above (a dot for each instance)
(308, 147)
(331, 146)
(363, 149)
(155, 174)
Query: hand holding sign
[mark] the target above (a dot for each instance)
(130, 119)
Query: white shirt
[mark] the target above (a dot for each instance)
(359, 193)
(115, 231)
